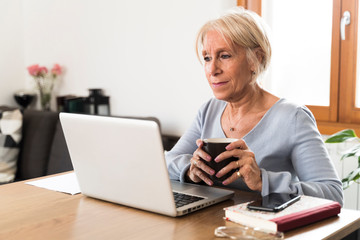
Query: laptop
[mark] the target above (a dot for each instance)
(121, 160)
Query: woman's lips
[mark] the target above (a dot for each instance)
(218, 84)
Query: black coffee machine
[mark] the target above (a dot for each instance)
(96, 103)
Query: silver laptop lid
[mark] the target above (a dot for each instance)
(119, 160)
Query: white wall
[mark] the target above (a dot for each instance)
(11, 50)
(140, 52)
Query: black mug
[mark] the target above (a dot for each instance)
(213, 147)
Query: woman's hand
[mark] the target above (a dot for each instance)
(198, 170)
(248, 168)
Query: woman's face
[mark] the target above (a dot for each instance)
(227, 70)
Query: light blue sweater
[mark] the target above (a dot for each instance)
(287, 145)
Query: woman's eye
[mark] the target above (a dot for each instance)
(225, 56)
(206, 59)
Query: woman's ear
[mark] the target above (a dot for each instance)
(257, 59)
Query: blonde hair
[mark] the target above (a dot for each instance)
(243, 28)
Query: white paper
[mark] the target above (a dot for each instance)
(66, 183)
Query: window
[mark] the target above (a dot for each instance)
(311, 58)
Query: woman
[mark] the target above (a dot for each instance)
(279, 147)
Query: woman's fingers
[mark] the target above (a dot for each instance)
(199, 153)
(234, 149)
(198, 163)
(199, 171)
(231, 166)
(240, 144)
(246, 166)
(249, 172)
(235, 176)
(202, 175)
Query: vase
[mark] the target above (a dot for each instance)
(45, 98)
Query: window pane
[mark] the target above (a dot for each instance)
(301, 39)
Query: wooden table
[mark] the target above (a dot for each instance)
(29, 212)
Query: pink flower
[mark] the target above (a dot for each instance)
(37, 71)
(43, 70)
(33, 70)
(56, 70)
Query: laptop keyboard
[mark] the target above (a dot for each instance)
(184, 199)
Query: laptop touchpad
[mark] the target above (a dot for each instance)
(181, 187)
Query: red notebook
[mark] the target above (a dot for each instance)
(305, 211)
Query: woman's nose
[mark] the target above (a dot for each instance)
(213, 68)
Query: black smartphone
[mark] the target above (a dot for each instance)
(274, 202)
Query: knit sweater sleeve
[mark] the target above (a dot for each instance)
(311, 163)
